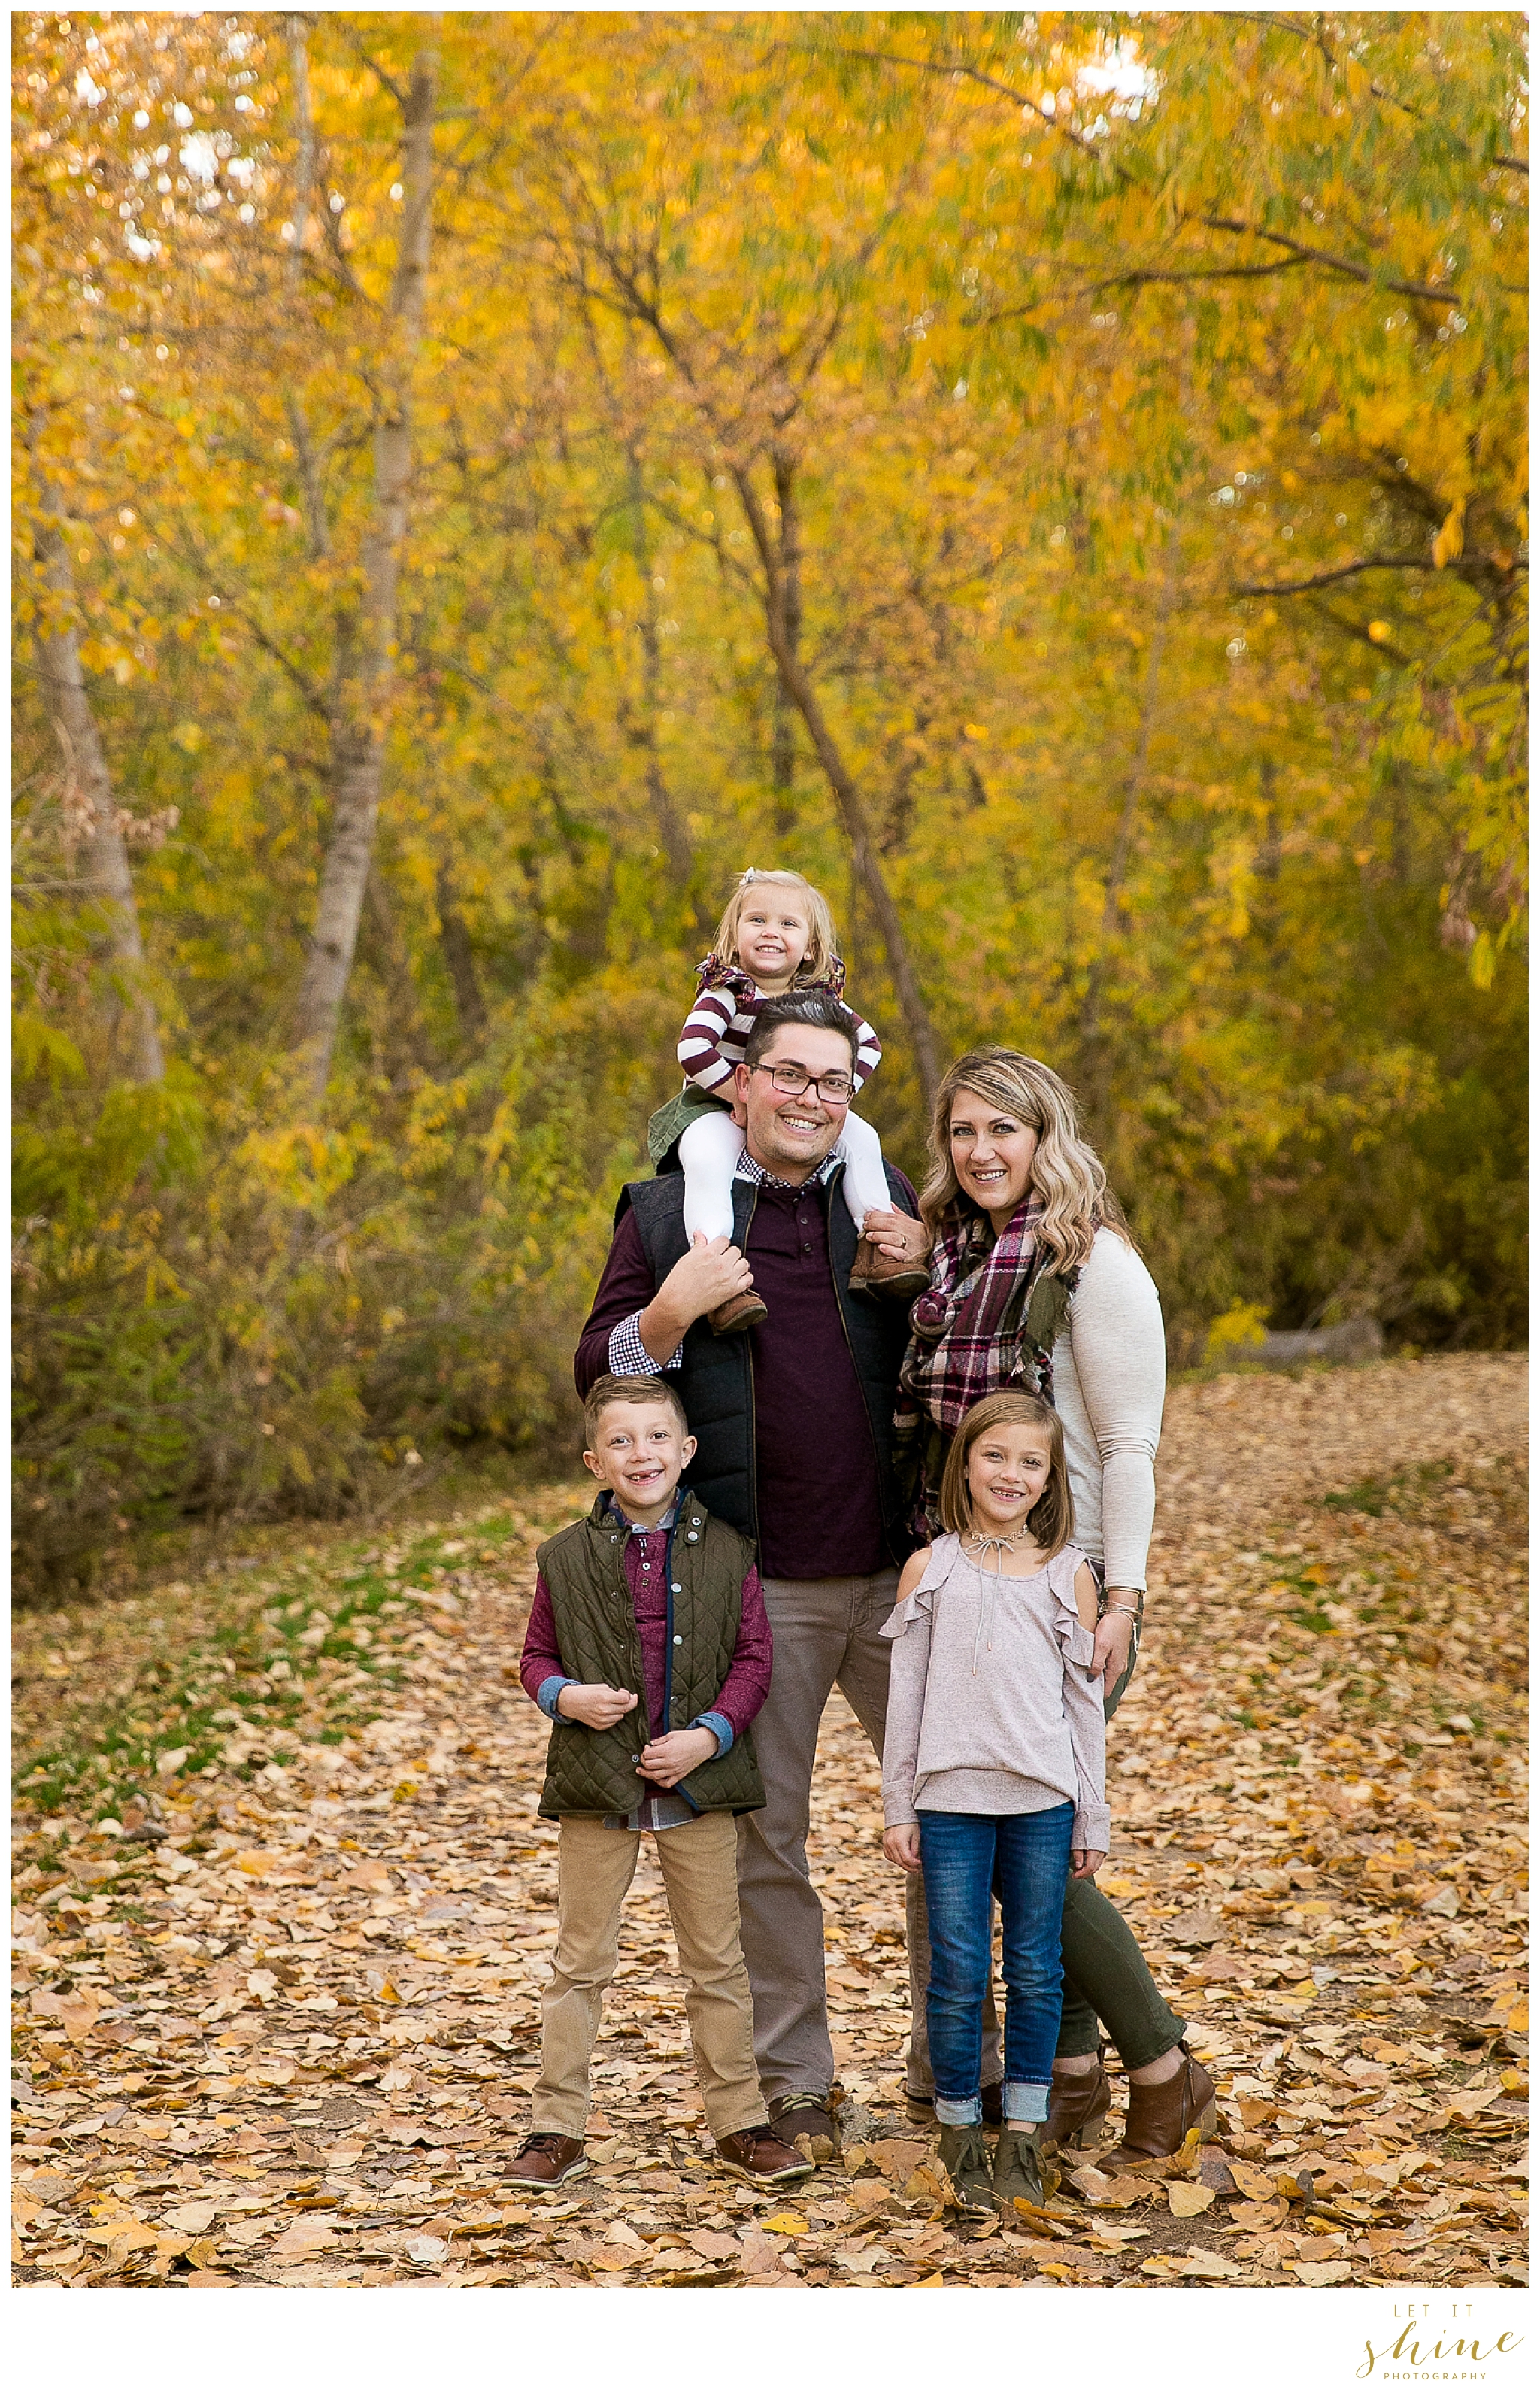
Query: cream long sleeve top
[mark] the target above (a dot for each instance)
(1109, 1389)
(990, 1707)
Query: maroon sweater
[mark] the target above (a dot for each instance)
(748, 1680)
(819, 1508)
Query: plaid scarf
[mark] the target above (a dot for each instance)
(987, 1321)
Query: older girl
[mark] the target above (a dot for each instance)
(994, 1770)
(1035, 1283)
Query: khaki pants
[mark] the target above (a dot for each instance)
(596, 1865)
(825, 1633)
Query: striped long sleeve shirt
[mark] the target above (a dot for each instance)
(712, 1044)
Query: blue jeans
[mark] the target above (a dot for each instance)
(1026, 1857)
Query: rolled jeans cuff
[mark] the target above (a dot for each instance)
(1025, 2104)
(960, 2114)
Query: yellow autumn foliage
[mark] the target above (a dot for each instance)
(1061, 488)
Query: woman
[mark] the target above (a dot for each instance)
(1035, 1283)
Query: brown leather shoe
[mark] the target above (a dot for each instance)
(1161, 2117)
(758, 2157)
(1079, 2102)
(542, 2162)
(742, 1311)
(808, 2125)
(886, 1275)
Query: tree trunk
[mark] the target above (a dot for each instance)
(783, 753)
(359, 732)
(86, 774)
(671, 825)
(318, 527)
(455, 940)
(847, 797)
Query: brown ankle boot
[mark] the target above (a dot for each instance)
(742, 1311)
(1161, 2117)
(886, 1275)
(1079, 2102)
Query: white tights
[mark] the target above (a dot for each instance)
(709, 1148)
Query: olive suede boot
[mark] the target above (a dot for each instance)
(1018, 2168)
(965, 2158)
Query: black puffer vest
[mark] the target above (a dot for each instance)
(590, 1772)
(716, 1377)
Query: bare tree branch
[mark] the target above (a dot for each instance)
(1305, 251)
(1334, 573)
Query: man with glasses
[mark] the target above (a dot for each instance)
(793, 1425)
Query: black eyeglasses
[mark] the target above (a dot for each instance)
(835, 1087)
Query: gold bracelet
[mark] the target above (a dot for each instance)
(1127, 1608)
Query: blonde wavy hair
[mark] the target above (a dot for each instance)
(1067, 1174)
(822, 955)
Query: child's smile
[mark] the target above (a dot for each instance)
(772, 941)
(639, 1453)
(1007, 1470)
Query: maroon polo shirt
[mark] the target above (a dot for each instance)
(819, 1509)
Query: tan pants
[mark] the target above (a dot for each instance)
(596, 1865)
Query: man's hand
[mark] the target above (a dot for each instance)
(669, 1758)
(902, 1845)
(594, 1706)
(1084, 1863)
(1109, 1652)
(898, 1235)
(707, 1276)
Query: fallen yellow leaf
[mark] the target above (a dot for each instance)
(1187, 2200)
(1201, 2263)
(785, 2222)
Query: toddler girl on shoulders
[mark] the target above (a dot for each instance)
(776, 935)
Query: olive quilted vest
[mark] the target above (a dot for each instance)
(590, 1773)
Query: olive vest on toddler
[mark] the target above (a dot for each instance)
(590, 1772)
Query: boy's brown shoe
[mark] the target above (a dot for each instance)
(546, 2161)
(758, 2157)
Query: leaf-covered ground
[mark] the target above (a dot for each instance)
(285, 1910)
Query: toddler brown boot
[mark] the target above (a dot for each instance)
(742, 1311)
(882, 1275)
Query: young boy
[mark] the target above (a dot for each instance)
(650, 1651)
